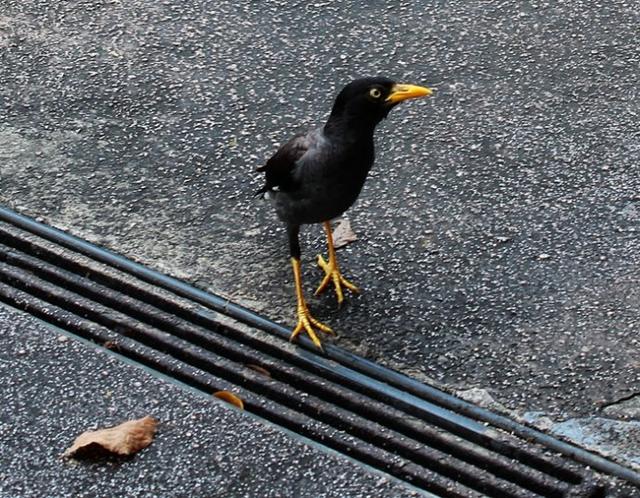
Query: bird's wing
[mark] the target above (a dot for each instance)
(279, 168)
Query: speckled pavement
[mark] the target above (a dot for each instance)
(498, 234)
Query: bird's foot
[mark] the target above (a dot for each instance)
(307, 323)
(332, 274)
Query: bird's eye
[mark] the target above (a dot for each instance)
(375, 93)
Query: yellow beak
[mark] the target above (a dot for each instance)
(400, 92)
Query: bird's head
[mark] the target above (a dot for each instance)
(366, 101)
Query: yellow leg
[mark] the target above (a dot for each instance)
(332, 271)
(305, 321)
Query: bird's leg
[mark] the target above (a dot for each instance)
(332, 271)
(305, 321)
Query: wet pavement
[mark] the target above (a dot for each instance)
(498, 234)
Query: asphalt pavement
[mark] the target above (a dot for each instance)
(498, 235)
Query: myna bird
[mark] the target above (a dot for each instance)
(316, 176)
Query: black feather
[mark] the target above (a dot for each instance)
(317, 176)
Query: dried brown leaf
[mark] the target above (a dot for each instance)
(259, 369)
(343, 234)
(124, 439)
(230, 398)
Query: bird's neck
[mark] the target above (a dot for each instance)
(350, 129)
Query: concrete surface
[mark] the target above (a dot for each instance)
(55, 388)
(498, 236)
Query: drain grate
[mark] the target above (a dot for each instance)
(411, 431)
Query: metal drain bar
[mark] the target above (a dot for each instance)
(413, 432)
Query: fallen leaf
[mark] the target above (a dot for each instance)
(230, 398)
(124, 439)
(259, 369)
(343, 234)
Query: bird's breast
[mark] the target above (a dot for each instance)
(324, 189)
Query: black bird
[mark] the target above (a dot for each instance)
(317, 176)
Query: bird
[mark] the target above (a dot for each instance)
(316, 176)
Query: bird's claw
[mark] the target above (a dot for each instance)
(332, 274)
(307, 323)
